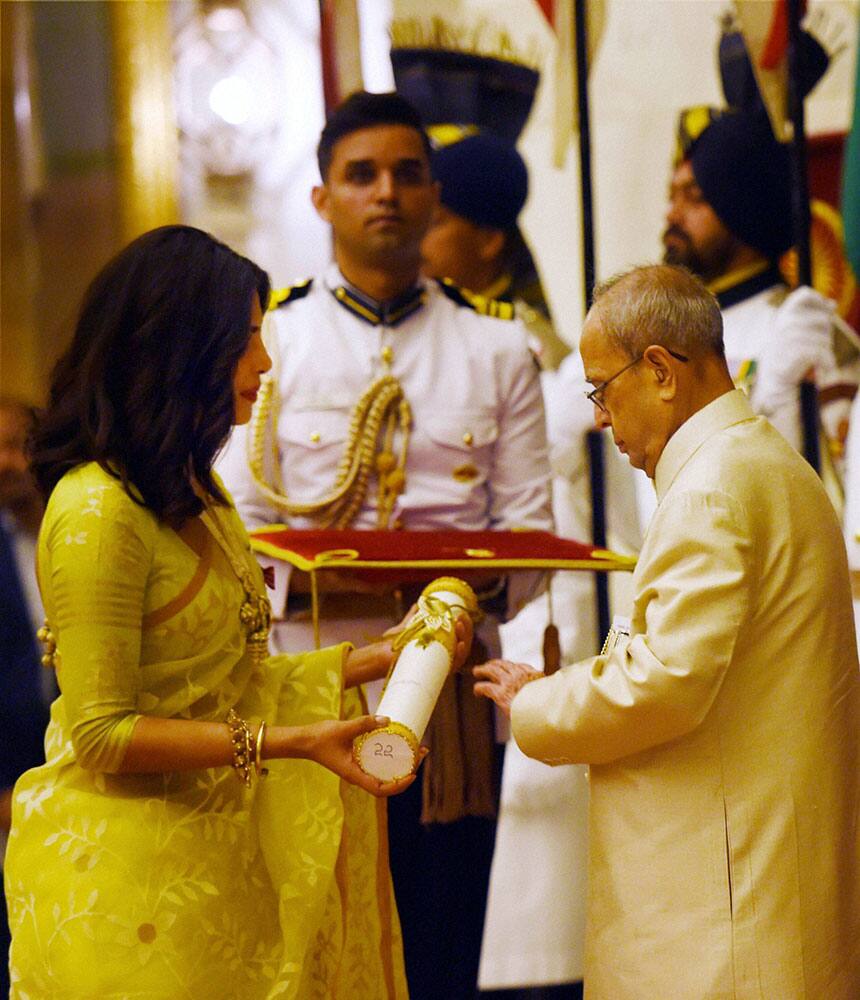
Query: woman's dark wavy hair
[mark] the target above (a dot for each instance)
(146, 387)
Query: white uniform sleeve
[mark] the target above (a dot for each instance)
(520, 477)
(232, 466)
(802, 339)
(692, 595)
(569, 416)
(520, 496)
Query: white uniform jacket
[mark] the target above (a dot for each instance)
(722, 736)
(773, 337)
(477, 456)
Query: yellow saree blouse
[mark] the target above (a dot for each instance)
(184, 884)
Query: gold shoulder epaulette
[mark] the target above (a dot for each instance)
(282, 296)
(480, 303)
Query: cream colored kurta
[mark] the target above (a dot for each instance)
(534, 929)
(723, 737)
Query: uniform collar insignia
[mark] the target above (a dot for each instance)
(742, 284)
(500, 288)
(390, 313)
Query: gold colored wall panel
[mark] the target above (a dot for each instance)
(19, 349)
(146, 137)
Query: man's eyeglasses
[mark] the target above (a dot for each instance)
(595, 395)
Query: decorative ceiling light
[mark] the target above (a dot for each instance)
(226, 105)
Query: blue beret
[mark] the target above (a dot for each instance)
(483, 178)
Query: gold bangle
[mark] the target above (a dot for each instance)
(240, 737)
(258, 752)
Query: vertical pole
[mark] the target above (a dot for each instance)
(594, 439)
(328, 56)
(801, 218)
(581, 50)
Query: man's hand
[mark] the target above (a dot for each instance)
(501, 680)
(802, 340)
(330, 744)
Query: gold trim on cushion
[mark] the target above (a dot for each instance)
(603, 559)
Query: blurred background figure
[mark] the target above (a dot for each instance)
(730, 220)
(475, 240)
(26, 689)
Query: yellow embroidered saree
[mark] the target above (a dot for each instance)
(184, 884)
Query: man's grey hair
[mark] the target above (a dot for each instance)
(659, 304)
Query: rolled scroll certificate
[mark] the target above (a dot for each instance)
(426, 647)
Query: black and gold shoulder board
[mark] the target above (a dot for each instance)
(283, 296)
(480, 303)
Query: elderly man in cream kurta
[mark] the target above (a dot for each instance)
(723, 733)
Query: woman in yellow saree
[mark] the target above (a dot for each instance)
(138, 865)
